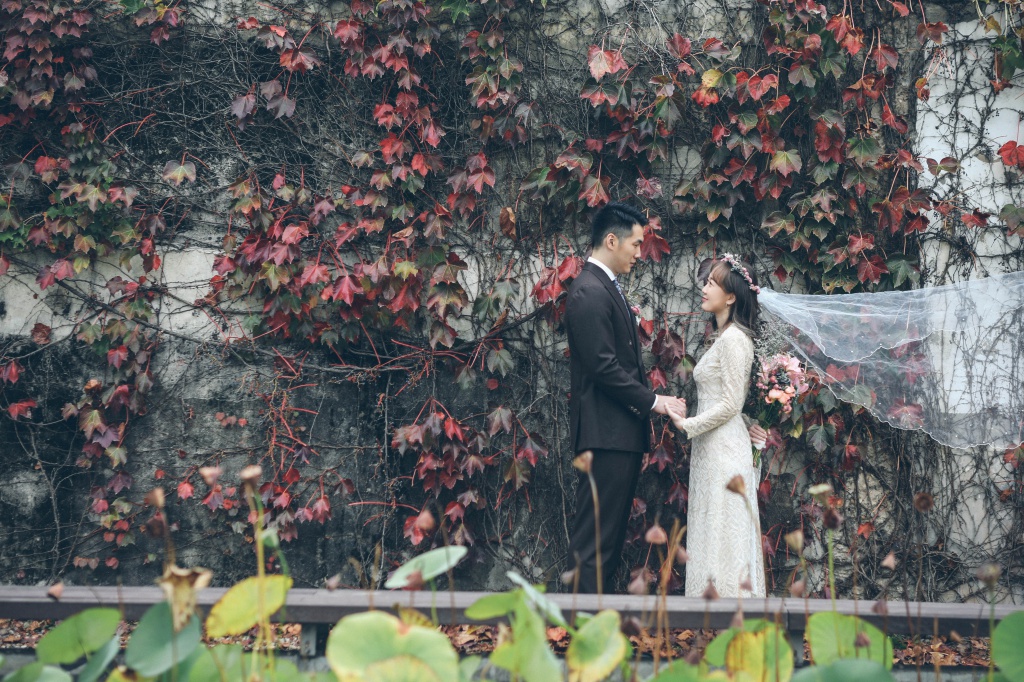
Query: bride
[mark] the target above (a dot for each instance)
(724, 540)
(945, 360)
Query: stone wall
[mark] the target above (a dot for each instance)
(45, 518)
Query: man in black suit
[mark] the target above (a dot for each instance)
(609, 401)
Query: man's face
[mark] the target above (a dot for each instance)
(623, 253)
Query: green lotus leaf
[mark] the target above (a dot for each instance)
(429, 565)
(377, 646)
(597, 648)
(833, 636)
(245, 604)
(78, 636)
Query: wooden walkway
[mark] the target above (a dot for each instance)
(316, 610)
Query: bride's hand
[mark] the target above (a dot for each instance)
(677, 414)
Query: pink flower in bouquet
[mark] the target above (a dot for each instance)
(779, 380)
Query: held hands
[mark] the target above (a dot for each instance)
(666, 404)
(673, 408)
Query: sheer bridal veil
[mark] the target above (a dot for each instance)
(945, 360)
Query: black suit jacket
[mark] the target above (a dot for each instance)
(609, 401)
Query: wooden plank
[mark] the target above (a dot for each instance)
(31, 603)
(908, 618)
(326, 607)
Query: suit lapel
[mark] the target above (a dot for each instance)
(631, 322)
(616, 296)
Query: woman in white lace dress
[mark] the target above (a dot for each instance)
(723, 531)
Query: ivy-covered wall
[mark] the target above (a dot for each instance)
(332, 239)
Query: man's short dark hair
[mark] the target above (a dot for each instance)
(617, 218)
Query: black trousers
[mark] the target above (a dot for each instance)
(615, 474)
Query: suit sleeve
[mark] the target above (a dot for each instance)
(737, 358)
(589, 319)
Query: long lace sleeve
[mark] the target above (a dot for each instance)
(735, 361)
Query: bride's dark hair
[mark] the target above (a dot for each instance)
(745, 312)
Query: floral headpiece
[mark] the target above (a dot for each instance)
(737, 266)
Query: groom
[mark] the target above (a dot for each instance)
(609, 401)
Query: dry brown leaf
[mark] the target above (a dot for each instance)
(507, 221)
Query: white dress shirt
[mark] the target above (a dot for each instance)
(607, 270)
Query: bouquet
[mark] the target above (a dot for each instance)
(779, 381)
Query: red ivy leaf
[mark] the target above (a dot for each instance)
(517, 473)
(314, 273)
(890, 214)
(293, 234)
(346, 289)
(532, 448)
(569, 268)
(786, 162)
(871, 269)
(281, 106)
(185, 490)
(177, 173)
(243, 105)
(598, 61)
(758, 87)
(121, 481)
(10, 372)
(453, 430)
(654, 246)
(679, 46)
(933, 31)
(117, 356)
(22, 408)
(455, 511)
(500, 420)
(778, 105)
(347, 32)
(1012, 154)
(895, 122)
(214, 499)
(906, 415)
(705, 96)
(678, 495)
(548, 287)
(412, 531)
(885, 57)
(299, 59)
(594, 192)
(860, 243)
(976, 218)
(40, 334)
(662, 455)
(657, 379)
(713, 47)
(321, 509)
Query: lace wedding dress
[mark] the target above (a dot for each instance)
(723, 538)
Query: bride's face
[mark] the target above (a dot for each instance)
(714, 298)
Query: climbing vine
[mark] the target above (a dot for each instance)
(392, 200)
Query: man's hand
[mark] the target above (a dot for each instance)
(758, 436)
(666, 404)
